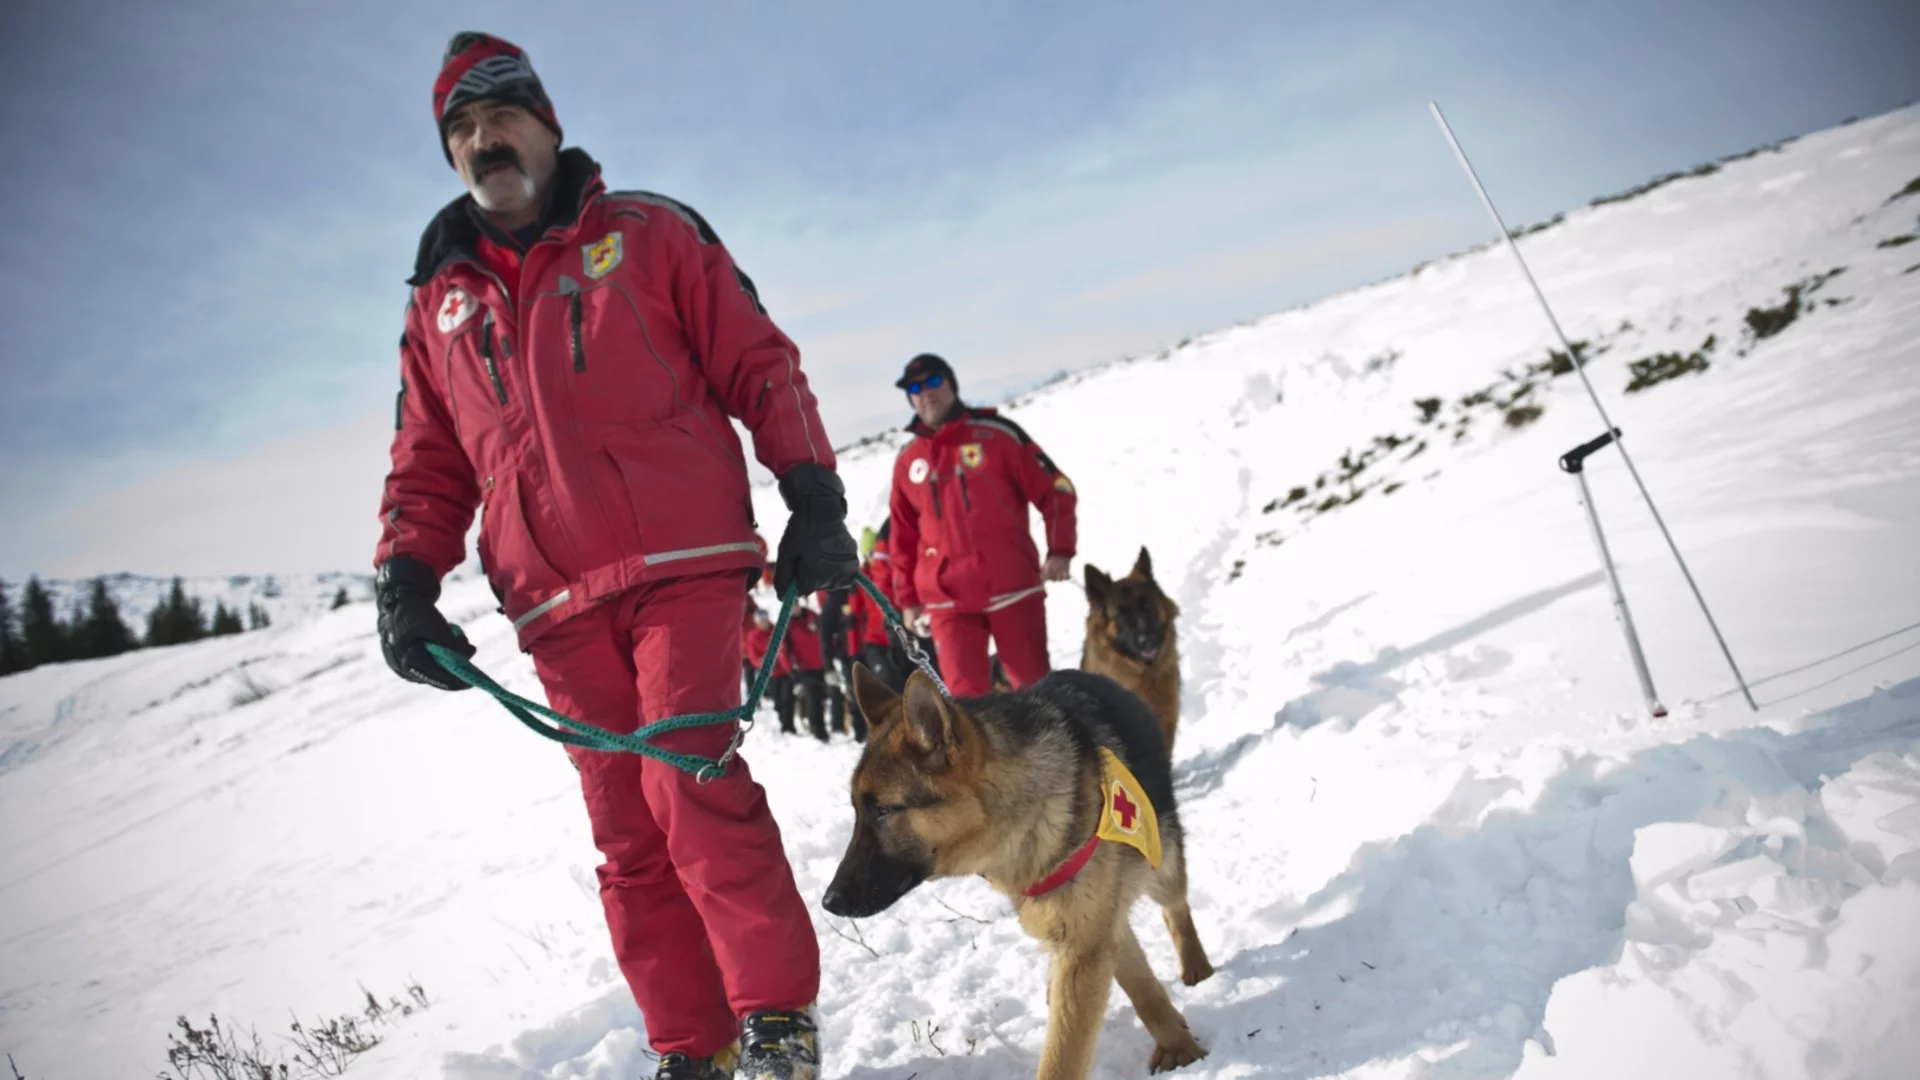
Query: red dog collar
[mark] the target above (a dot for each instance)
(1066, 871)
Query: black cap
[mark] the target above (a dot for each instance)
(924, 365)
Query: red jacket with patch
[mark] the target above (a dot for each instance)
(960, 538)
(583, 408)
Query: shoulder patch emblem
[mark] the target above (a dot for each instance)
(1063, 485)
(457, 308)
(598, 259)
(971, 455)
(917, 472)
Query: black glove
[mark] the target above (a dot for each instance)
(816, 550)
(405, 592)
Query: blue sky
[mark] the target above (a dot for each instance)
(217, 202)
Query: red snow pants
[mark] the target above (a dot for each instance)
(1019, 632)
(706, 920)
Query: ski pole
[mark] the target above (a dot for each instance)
(1581, 368)
(1574, 461)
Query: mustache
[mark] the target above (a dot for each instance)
(494, 155)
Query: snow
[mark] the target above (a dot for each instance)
(1433, 829)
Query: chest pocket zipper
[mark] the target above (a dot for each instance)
(571, 290)
(486, 357)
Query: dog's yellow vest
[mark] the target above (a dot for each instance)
(1126, 815)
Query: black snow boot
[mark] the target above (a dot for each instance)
(779, 1045)
(678, 1066)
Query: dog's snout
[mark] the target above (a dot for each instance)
(835, 901)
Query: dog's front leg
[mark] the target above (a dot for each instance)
(1078, 984)
(1173, 1044)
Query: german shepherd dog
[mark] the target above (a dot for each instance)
(1131, 639)
(1012, 787)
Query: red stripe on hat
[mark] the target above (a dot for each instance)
(456, 68)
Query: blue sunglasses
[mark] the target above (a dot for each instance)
(931, 382)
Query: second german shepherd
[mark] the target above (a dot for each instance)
(1019, 788)
(1132, 640)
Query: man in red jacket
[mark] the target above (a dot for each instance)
(963, 552)
(780, 679)
(809, 668)
(571, 362)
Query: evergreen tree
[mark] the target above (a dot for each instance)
(100, 631)
(340, 599)
(159, 625)
(257, 617)
(41, 634)
(12, 652)
(225, 621)
(193, 620)
(178, 619)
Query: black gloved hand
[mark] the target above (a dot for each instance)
(405, 591)
(816, 550)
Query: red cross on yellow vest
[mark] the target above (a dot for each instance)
(1126, 815)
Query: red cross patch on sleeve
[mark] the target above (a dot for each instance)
(457, 308)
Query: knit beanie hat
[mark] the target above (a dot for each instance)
(479, 66)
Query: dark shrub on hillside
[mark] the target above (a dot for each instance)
(1521, 415)
(1766, 322)
(1661, 367)
(1558, 363)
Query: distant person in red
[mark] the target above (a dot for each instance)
(780, 679)
(749, 663)
(869, 639)
(965, 566)
(809, 668)
(572, 364)
(834, 604)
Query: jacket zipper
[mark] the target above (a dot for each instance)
(579, 345)
(571, 289)
(966, 499)
(486, 357)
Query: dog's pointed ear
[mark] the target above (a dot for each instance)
(1099, 585)
(874, 698)
(929, 715)
(1143, 566)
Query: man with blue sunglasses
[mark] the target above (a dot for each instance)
(966, 569)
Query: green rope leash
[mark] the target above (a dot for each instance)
(704, 769)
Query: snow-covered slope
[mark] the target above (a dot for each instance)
(1432, 829)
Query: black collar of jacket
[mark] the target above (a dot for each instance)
(961, 411)
(453, 233)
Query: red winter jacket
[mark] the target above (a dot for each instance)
(584, 407)
(757, 641)
(959, 534)
(803, 640)
(866, 623)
